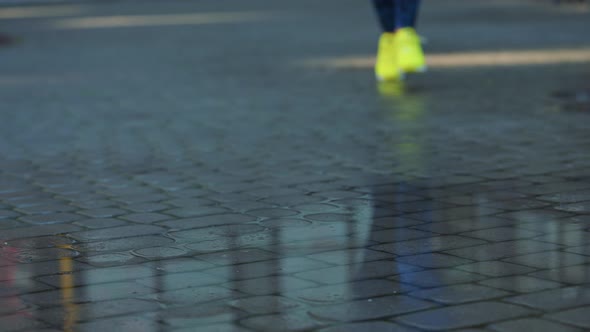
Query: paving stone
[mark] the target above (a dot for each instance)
(11, 224)
(197, 211)
(464, 315)
(555, 299)
(272, 213)
(48, 219)
(190, 202)
(339, 293)
(145, 218)
(330, 217)
(92, 204)
(19, 322)
(29, 232)
(357, 271)
(578, 317)
(32, 270)
(578, 274)
(25, 255)
(175, 265)
(237, 256)
(369, 326)
(290, 321)
(582, 250)
(342, 257)
(8, 214)
(534, 324)
(100, 223)
(146, 207)
(502, 250)
(47, 209)
(196, 295)
(160, 252)
(548, 259)
(40, 242)
(502, 234)
(122, 244)
(573, 238)
(292, 200)
(437, 277)
(101, 275)
(103, 212)
(207, 221)
(183, 280)
(396, 222)
(91, 311)
(285, 265)
(496, 268)
(216, 328)
(464, 225)
(117, 232)
(13, 288)
(430, 244)
(90, 293)
(539, 215)
(125, 323)
(360, 310)
(520, 284)
(397, 235)
(458, 294)
(111, 259)
(269, 285)
(265, 304)
(433, 260)
(285, 223)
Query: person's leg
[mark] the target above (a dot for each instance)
(386, 13)
(406, 13)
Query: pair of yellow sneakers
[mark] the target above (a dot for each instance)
(399, 53)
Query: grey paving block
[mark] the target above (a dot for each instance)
(101, 275)
(429, 244)
(520, 284)
(117, 232)
(458, 294)
(29, 232)
(437, 277)
(535, 324)
(289, 321)
(369, 309)
(549, 259)
(369, 326)
(502, 234)
(578, 317)
(433, 260)
(579, 274)
(555, 299)
(502, 250)
(464, 315)
(341, 293)
(496, 268)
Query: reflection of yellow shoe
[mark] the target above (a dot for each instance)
(385, 67)
(409, 55)
(391, 89)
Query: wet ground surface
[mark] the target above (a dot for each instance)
(232, 166)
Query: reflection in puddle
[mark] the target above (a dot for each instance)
(402, 246)
(66, 267)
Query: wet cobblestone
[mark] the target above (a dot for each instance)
(208, 177)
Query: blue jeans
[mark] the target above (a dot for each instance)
(396, 14)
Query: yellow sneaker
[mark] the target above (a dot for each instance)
(409, 55)
(385, 66)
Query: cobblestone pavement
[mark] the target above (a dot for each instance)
(232, 166)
